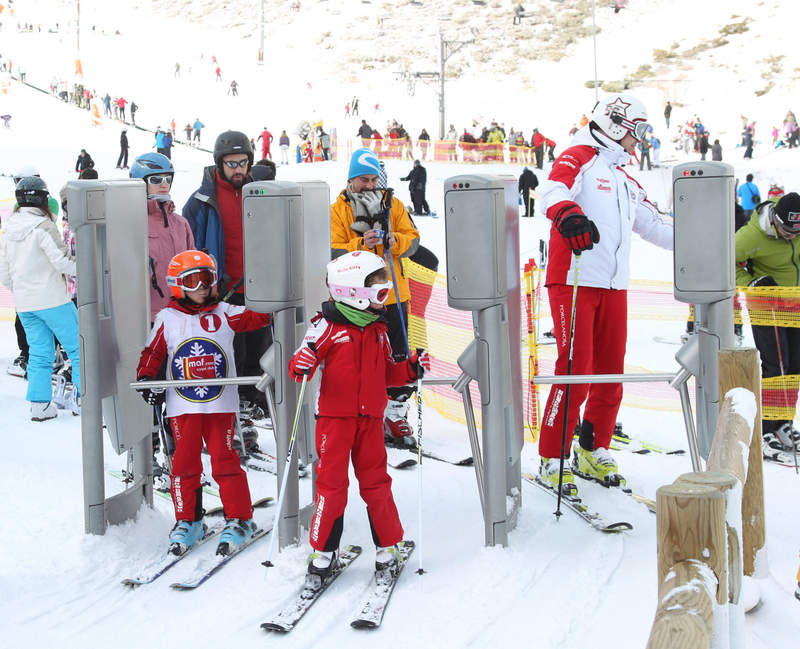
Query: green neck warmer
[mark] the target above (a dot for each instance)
(356, 316)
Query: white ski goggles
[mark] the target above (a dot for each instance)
(377, 293)
(638, 128)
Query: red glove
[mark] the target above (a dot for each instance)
(304, 361)
(420, 361)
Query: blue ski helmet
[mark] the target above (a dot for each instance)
(151, 164)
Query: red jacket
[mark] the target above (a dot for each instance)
(356, 365)
(537, 140)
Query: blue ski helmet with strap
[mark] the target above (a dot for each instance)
(151, 164)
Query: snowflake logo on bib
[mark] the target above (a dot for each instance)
(199, 358)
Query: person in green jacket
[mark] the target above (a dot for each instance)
(768, 254)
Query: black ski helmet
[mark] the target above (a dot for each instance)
(231, 142)
(31, 191)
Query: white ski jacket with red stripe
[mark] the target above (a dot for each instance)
(588, 178)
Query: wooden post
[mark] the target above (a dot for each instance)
(685, 615)
(739, 368)
(692, 552)
(726, 484)
(732, 433)
(691, 525)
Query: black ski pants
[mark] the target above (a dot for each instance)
(122, 161)
(420, 204)
(768, 341)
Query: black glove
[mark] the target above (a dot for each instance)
(153, 397)
(764, 280)
(579, 231)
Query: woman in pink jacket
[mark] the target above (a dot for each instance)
(168, 233)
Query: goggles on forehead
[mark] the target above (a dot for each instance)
(377, 293)
(194, 279)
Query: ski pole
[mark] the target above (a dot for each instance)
(566, 395)
(162, 433)
(420, 571)
(783, 381)
(387, 254)
(268, 563)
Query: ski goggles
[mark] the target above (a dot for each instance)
(638, 128)
(195, 279)
(157, 180)
(377, 293)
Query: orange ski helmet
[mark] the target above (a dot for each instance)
(190, 269)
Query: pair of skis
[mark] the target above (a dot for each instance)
(204, 570)
(372, 608)
(597, 520)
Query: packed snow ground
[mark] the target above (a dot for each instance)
(557, 585)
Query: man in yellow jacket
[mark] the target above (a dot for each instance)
(359, 222)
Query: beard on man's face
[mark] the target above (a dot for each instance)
(237, 180)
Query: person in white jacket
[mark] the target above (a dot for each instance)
(594, 207)
(33, 265)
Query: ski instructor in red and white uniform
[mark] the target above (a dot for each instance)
(594, 206)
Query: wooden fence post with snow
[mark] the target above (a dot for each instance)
(710, 525)
(740, 368)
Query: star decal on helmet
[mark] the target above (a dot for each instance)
(618, 106)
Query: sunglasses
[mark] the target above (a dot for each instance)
(232, 164)
(194, 279)
(377, 293)
(157, 180)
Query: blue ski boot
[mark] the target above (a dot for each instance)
(184, 535)
(236, 532)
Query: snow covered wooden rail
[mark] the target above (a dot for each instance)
(710, 525)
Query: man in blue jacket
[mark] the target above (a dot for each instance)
(214, 213)
(749, 196)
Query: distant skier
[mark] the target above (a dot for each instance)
(283, 142)
(197, 126)
(233, 88)
(527, 183)
(84, 161)
(266, 141)
(417, 178)
(122, 161)
(134, 108)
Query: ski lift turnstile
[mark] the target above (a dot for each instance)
(109, 219)
(286, 249)
(482, 247)
(704, 276)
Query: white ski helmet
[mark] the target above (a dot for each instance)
(618, 114)
(347, 276)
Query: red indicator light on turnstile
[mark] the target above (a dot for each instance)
(685, 172)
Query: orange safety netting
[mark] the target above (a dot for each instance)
(445, 150)
(446, 332)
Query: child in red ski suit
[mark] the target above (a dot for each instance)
(193, 334)
(348, 342)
